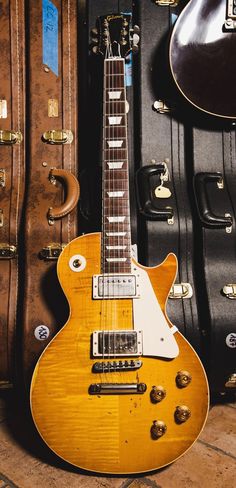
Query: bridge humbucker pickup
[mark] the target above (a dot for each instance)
(113, 343)
(116, 366)
(117, 388)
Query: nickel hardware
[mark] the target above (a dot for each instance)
(117, 388)
(228, 229)
(10, 137)
(161, 107)
(7, 251)
(181, 290)
(1, 218)
(58, 136)
(2, 178)
(230, 291)
(3, 109)
(231, 382)
(168, 3)
(51, 252)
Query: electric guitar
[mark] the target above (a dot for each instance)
(202, 55)
(118, 389)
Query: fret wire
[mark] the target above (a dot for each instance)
(115, 178)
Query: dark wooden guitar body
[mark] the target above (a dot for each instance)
(202, 57)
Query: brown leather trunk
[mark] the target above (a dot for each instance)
(51, 215)
(12, 174)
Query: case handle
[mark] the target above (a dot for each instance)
(145, 196)
(72, 193)
(207, 217)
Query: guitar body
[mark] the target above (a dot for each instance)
(202, 57)
(111, 433)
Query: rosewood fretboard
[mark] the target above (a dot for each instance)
(116, 238)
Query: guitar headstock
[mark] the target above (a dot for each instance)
(114, 37)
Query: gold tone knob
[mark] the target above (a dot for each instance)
(182, 414)
(158, 429)
(157, 394)
(183, 379)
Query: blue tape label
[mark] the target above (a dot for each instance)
(50, 36)
(128, 70)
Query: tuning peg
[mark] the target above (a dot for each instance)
(95, 49)
(136, 29)
(135, 48)
(136, 39)
(94, 32)
(94, 41)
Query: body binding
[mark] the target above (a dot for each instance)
(111, 433)
(202, 57)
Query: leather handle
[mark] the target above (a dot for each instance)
(145, 197)
(207, 216)
(72, 193)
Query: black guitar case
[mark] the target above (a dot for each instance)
(214, 186)
(91, 115)
(165, 223)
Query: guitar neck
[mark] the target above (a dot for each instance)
(116, 229)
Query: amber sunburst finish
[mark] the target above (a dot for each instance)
(111, 434)
(132, 414)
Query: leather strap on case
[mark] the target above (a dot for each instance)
(72, 191)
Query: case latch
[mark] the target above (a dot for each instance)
(181, 290)
(161, 107)
(52, 251)
(7, 251)
(231, 382)
(10, 137)
(170, 3)
(58, 136)
(230, 291)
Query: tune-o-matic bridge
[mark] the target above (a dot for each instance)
(117, 388)
(115, 286)
(113, 343)
(116, 366)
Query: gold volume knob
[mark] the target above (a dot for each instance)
(182, 414)
(158, 429)
(183, 379)
(157, 394)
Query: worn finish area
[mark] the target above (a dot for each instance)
(26, 463)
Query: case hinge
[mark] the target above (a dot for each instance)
(1, 218)
(7, 251)
(2, 177)
(231, 382)
(181, 290)
(230, 291)
(10, 137)
(58, 136)
(52, 251)
(3, 109)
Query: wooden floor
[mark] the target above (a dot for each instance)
(24, 462)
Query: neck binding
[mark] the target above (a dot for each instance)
(116, 234)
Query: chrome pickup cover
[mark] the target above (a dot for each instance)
(115, 286)
(112, 343)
